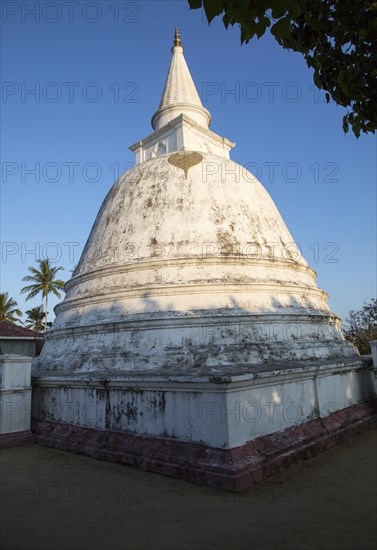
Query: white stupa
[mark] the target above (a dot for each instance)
(189, 278)
(189, 262)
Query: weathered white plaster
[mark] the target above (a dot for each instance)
(180, 95)
(181, 134)
(171, 259)
(15, 393)
(192, 314)
(190, 266)
(211, 408)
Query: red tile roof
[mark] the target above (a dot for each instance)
(11, 330)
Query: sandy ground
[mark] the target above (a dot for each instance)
(57, 500)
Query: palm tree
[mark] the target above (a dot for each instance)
(44, 283)
(8, 308)
(35, 318)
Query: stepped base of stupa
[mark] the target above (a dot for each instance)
(223, 427)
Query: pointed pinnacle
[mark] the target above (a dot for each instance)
(177, 38)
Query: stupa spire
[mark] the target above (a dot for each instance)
(177, 37)
(180, 95)
(181, 123)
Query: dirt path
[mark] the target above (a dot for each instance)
(53, 500)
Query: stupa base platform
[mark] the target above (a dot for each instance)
(228, 469)
(228, 431)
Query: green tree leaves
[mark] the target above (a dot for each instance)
(35, 318)
(212, 9)
(337, 39)
(8, 308)
(282, 28)
(361, 326)
(43, 282)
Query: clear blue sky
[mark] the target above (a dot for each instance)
(99, 70)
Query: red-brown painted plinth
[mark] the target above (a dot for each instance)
(231, 469)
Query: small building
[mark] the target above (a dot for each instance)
(19, 340)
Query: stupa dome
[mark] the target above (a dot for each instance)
(189, 263)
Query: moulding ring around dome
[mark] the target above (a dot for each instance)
(149, 291)
(181, 109)
(186, 261)
(144, 321)
(193, 289)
